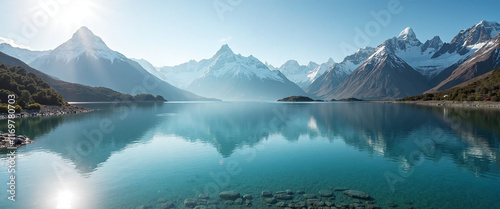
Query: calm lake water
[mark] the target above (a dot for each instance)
(125, 156)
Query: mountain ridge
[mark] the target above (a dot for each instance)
(86, 59)
(234, 77)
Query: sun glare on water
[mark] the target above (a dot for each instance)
(64, 199)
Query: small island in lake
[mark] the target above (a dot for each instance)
(351, 99)
(298, 99)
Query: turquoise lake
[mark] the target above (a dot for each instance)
(131, 155)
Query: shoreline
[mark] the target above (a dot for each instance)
(467, 104)
(49, 110)
(18, 140)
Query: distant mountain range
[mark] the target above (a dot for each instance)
(325, 84)
(303, 75)
(401, 66)
(229, 76)
(232, 76)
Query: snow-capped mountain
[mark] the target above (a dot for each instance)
(419, 56)
(304, 75)
(463, 46)
(86, 59)
(434, 56)
(382, 76)
(325, 84)
(441, 64)
(470, 38)
(24, 55)
(182, 75)
(318, 71)
(298, 73)
(232, 76)
(483, 61)
(271, 67)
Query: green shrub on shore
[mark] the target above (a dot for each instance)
(486, 89)
(34, 106)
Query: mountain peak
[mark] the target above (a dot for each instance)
(478, 33)
(87, 38)
(435, 44)
(291, 62)
(84, 41)
(330, 60)
(84, 31)
(85, 35)
(224, 49)
(486, 23)
(312, 64)
(407, 34)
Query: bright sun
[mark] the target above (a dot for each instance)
(75, 14)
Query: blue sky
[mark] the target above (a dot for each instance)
(173, 32)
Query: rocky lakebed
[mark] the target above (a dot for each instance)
(334, 198)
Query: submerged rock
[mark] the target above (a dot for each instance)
(202, 202)
(283, 196)
(203, 196)
(271, 200)
(300, 204)
(213, 202)
(190, 203)
(238, 201)
(281, 204)
(309, 196)
(229, 195)
(266, 193)
(166, 205)
(248, 202)
(325, 193)
(318, 204)
(312, 201)
(357, 194)
(247, 197)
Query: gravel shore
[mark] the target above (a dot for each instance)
(452, 103)
(7, 140)
(48, 110)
